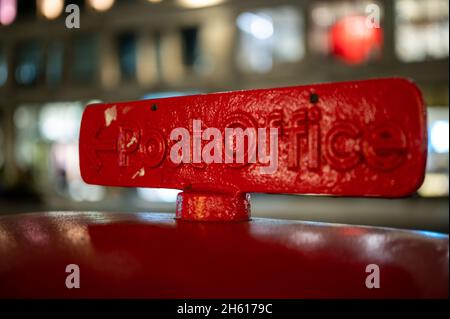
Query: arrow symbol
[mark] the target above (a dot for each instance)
(101, 146)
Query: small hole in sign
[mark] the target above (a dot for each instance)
(314, 98)
(154, 107)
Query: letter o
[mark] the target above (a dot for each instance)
(153, 147)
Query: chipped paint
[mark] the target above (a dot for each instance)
(110, 115)
(132, 141)
(139, 173)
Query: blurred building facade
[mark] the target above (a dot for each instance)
(128, 50)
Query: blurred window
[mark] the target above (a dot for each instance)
(85, 60)
(190, 46)
(421, 29)
(29, 63)
(55, 55)
(166, 195)
(26, 9)
(127, 55)
(158, 52)
(3, 68)
(268, 37)
(164, 94)
(59, 122)
(438, 138)
(347, 30)
(59, 128)
(2, 147)
(437, 178)
(47, 144)
(25, 120)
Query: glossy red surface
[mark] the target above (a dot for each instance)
(156, 256)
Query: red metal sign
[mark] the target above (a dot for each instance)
(360, 138)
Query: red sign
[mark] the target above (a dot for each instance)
(360, 138)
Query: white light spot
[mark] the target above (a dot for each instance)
(158, 194)
(439, 136)
(258, 25)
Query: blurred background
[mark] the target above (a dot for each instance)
(137, 49)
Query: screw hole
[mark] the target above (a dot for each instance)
(154, 107)
(314, 98)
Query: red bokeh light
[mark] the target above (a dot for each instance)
(354, 41)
